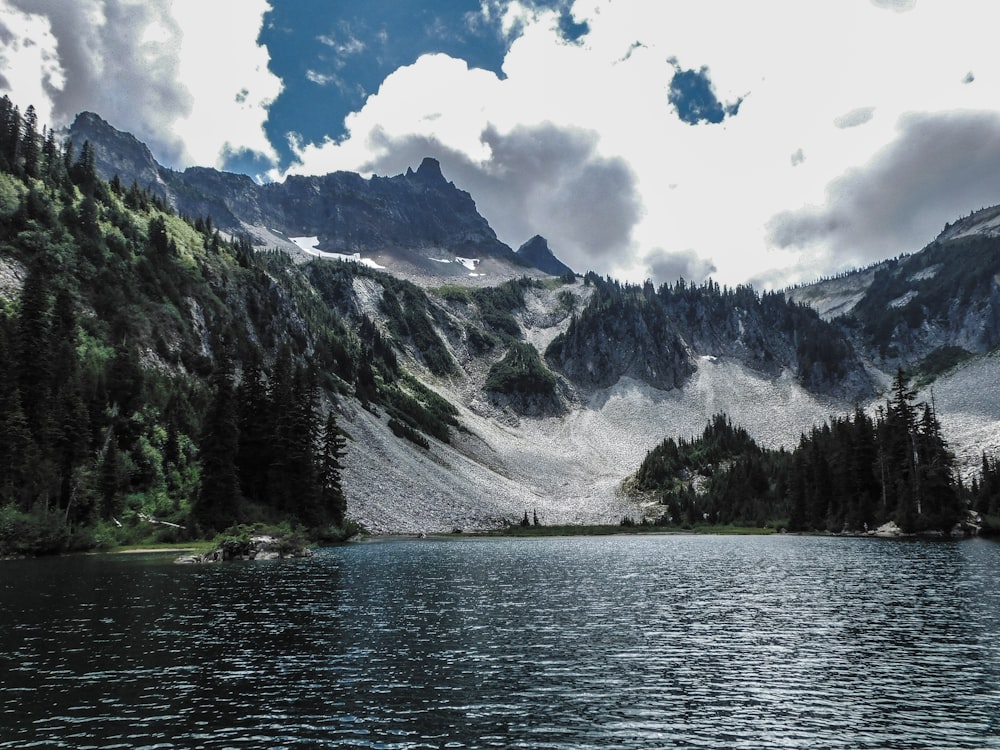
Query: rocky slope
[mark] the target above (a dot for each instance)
(418, 224)
(629, 366)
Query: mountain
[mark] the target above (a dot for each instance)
(536, 253)
(418, 224)
(465, 403)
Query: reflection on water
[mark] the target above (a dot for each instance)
(638, 641)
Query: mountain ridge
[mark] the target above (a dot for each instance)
(417, 223)
(441, 342)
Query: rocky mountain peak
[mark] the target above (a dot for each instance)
(116, 152)
(536, 252)
(429, 171)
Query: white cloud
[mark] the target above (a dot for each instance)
(30, 69)
(839, 99)
(187, 77)
(832, 81)
(231, 88)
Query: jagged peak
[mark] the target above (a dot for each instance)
(537, 252)
(429, 171)
(536, 243)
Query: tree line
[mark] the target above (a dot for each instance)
(853, 473)
(150, 368)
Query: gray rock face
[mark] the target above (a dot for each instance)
(535, 252)
(118, 153)
(637, 342)
(409, 217)
(256, 548)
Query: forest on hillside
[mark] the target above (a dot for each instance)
(161, 382)
(647, 332)
(852, 474)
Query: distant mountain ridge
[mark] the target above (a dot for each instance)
(417, 223)
(561, 386)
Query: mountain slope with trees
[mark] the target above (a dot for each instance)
(853, 473)
(157, 367)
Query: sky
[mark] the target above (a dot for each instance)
(769, 143)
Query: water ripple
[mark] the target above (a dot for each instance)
(636, 642)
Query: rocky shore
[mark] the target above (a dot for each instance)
(260, 547)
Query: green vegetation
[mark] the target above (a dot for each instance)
(159, 382)
(495, 305)
(939, 362)
(854, 473)
(641, 330)
(521, 371)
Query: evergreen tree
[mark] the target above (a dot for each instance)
(84, 171)
(17, 447)
(111, 479)
(334, 502)
(256, 428)
(34, 352)
(218, 503)
(30, 151)
(10, 134)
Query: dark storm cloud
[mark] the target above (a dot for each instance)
(540, 180)
(939, 168)
(110, 69)
(693, 96)
(666, 267)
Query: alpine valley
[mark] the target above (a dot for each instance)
(467, 384)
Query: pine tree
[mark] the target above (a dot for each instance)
(34, 352)
(30, 150)
(942, 505)
(256, 430)
(84, 171)
(218, 503)
(334, 502)
(17, 447)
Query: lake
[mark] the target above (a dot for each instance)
(584, 642)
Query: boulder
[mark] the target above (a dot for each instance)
(259, 547)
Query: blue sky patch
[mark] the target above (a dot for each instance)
(693, 96)
(330, 65)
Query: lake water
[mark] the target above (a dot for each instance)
(595, 642)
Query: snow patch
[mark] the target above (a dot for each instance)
(902, 301)
(469, 263)
(928, 273)
(309, 245)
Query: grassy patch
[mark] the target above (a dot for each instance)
(939, 362)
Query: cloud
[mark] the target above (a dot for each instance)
(541, 179)
(29, 66)
(854, 118)
(153, 68)
(666, 267)
(120, 59)
(941, 166)
(899, 6)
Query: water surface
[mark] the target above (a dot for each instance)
(627, 641)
